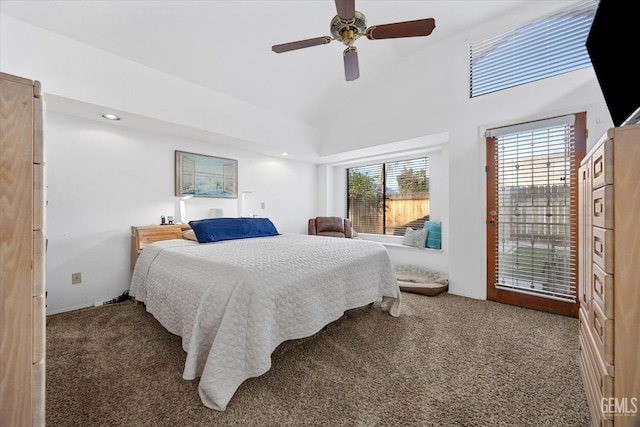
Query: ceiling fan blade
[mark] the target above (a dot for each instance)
(417, 28)
(346, 9)
(301, 44)
(351, 68)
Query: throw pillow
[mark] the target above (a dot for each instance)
(416, 238)
(189, 235)
(219, 229)
(434, 238)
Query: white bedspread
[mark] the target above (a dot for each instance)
(234, 302)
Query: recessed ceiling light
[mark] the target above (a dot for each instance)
(284, 153)
(111, 117)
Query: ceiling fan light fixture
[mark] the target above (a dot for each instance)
(348, 31)
(349, 49)
(369, 32)
(351, 66)
(349, 25)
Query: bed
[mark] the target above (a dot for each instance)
(234, 301)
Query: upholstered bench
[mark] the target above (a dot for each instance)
(420, 280)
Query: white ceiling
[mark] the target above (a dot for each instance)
(226, 45)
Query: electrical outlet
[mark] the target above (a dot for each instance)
(76, 278)
(262, 205)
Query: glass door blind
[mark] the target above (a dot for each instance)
(536, 215)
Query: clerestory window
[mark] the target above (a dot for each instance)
(546, 47)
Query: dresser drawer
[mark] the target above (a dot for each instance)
(602, 165)
(602, 290)
(38, 131)
(584, 291)
(587, 370)
(146, 236)
(598, 382)
(39, 263)
(602, 207)
(39, 198)
(601, 329)
(602, 248)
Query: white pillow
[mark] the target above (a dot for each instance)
(416, 238)
(189, 235)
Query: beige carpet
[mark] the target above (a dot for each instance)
(447, 361)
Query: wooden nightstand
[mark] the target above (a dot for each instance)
(144, 234)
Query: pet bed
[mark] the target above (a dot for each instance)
(420, 280)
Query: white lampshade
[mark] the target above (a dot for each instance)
(183, 209)
(216, 213)
(244, 198)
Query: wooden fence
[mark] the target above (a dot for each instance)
(400, 214)
(540, 213)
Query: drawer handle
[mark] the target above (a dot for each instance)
(600, 380)
(583, 299)
(598, 327)
(598, 207)
(597, 167)
(597, 285)
(598, 246)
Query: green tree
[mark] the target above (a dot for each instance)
(362, 187)
(365, 202)
(410, 182)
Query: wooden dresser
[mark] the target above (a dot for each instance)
(22, 253)
(609, 277)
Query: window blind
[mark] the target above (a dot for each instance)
(549, 46)
(386, 198)
(536, 173)
(365, 198)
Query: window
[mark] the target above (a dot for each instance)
(544, 48)
(535, 200)
(387, 198)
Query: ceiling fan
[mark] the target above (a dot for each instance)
(349, 24)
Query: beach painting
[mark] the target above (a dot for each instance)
(200, 175)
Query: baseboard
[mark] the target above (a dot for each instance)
(64, 310)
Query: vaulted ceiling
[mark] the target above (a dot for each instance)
(226, 45)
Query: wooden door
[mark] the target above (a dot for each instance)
(531, 216)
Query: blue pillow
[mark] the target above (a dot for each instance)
(434, 236)
(219, 229)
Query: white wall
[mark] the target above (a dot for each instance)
(103, 177)
(335, 182)
(432, 98)
(73, 70)
(424, 95)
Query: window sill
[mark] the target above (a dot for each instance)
(394, 242)
(400, 245)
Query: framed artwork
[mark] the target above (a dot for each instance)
(205, 176)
